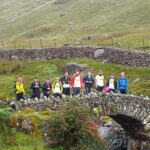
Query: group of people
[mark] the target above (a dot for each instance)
(64, 84)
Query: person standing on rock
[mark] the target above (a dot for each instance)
(123, 84)
(99, 80)
(66, 81)
(57, 88)
(112, 84)
(47, 87)
(88, 81)
(76, 83)
(35, 87)
(20, 91)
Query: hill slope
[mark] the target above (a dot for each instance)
(126, 20)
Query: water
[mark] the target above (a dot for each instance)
(115, 136)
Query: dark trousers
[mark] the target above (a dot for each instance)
(46, 94)
(123, 91)
(19, 96)
(76, 90)
(88, 90)
(57, 95)
(100, 88)
(36, 94)
(66, 91)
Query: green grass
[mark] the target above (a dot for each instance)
(124, 21)
(21, 141)
(54, 68)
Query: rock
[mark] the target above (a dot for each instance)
(126, 25)
(98, 53)
(27, 126)
(14, 58)
(78, 41)
(104, 35)
(67, 45)
(146, 98)
(62, 14)
(70, 23)
(136, 80)
(90, 37)
(147, 127)
(73, 67)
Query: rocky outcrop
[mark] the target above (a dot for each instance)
(109, 54)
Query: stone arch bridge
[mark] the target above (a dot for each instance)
(130, 111)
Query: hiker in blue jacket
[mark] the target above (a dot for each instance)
(123, 84)
(89, 81)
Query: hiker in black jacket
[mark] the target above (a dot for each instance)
(66, 83)
(112, 83)
(47, 87)
(89, 81)
(35, 86)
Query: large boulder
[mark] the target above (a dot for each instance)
(73, 67)
(98, 53)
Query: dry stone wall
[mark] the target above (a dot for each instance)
(108, 54)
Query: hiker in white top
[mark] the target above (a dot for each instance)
(76, 83)
(57, 88)
(112, 83)
(100, 81)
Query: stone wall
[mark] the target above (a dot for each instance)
(109, 54)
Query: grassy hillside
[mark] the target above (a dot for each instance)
(125, 21)
(53, 69)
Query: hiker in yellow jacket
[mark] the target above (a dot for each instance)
(57, 88)
(20, 92)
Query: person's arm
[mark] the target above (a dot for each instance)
(61, 88)
(32, 86)
(96, 81)
(53, 87)
(119, 84)
(127, 84)
(84, 79)
(115, 84)
(107, 83)
(72, 81)
(81, 81)
(44, 86)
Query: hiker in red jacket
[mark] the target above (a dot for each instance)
(76, 83)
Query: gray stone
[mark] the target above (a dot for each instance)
(98, 53)
(73, 67)
(27, 126)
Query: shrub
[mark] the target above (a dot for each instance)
(4, 120)
(10, 66)
(72, 127)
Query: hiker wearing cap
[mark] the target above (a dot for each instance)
(112, 83)
(123, 84)
(66, 80)
(76, 83)
(88, 81)
(35, 87)
(20, 92)
(99, 80)
(47, 87)
(57, 88)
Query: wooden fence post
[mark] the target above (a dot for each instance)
(3, 45)
(41, 43)
(55, 42)
(14, 44)
(30, 43)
